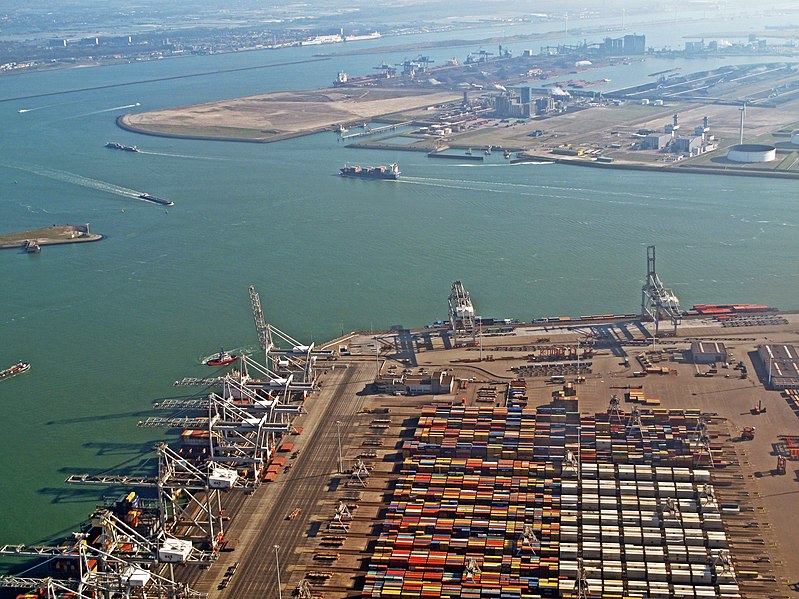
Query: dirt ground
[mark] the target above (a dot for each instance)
(274, 116)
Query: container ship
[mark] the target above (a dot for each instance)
(117, 146)
(372, 172)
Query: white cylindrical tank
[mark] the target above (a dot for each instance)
(752, 153)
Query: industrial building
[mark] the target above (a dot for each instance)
(509, 105)
(519, 103)
(670, 140)
(780, 365)
(656, 141)
(687, 145)
(704, 352)
(628, 45)
(435, 383)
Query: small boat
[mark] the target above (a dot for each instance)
(221, 359)
(469, 152)
(17, 368)
(32, 246)
(507, 154)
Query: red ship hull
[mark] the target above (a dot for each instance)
(221, 361)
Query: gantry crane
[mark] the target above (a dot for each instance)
(424, 61)
(296, 359)
(657, 301)
(461, 313)
(99, 569)
(189, 504)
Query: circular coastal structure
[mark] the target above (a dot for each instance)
(795, 138)
(752, 153)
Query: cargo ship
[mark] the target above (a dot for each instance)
(117, 146)
(391, 172)
(221, 359)
(17, 368)
(149, 198)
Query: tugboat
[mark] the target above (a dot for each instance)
(221, 358)
(17, 368)
(391, 172)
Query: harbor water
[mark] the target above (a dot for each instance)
(109, 326)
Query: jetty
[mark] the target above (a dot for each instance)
(376, 130)
(54, 235)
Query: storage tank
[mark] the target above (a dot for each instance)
(752, 153)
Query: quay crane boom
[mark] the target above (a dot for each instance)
(461, 313)
(657, 301)
(264, 333)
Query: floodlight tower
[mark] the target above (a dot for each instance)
(656, 300)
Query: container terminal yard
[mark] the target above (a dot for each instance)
(563, 457)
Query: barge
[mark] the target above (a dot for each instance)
(155, 200)
(14, 370)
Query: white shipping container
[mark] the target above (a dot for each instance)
(701, 476)
(636, 571)
(656, 573)
(680, 574)
(634, 553)
(697, 555)
(663, 473)
(685, 490)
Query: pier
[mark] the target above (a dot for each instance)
(376, 130)
(54, 235)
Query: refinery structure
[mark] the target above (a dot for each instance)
(477, 457)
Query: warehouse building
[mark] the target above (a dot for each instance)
(703, 352)
(435, 383)
(780, 366)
